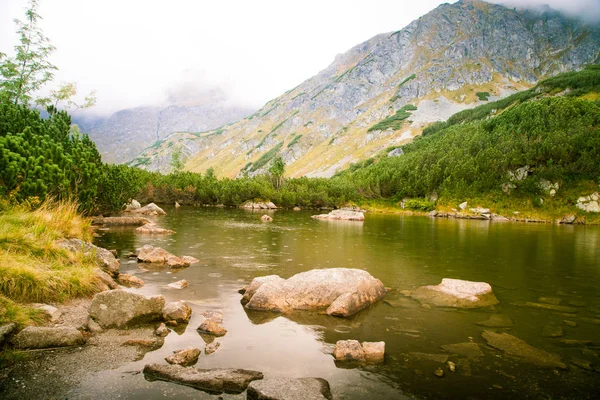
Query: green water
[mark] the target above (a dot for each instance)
(522, 263)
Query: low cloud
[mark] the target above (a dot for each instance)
(588, 10)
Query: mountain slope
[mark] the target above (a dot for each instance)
(384, 91)
(127, 132)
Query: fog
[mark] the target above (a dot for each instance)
(148, 52)
(589, 10)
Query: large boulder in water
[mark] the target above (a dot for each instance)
(342, 291)
(118, 308)
(289, 389)
(215, 381)
(456, 293)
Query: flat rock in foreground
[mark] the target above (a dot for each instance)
(518, 348)
(456, 293)
(216, 380)
(118, 308)
(36, 337)
(342, 291)
(289, 389)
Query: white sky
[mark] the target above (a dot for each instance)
(133, 52)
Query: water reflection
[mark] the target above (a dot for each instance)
(522, 262)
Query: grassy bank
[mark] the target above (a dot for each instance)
(33, 269)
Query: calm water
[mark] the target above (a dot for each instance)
(522, 263)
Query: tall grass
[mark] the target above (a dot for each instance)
(33, 268)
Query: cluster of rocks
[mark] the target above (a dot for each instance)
(157, 255)
(342, 214)
(478, 213)
(151, 209)
(340, 291)
(259, 205)
(589, 203)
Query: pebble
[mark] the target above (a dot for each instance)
(451, 366)
(438, 372)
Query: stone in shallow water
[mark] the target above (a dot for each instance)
(456, 293)
(185, 357)
(550, 300)
(374, 352)
(518, 348)
(439, 358)
(215, 381)
(349, 350)
(497, 321)
(467, 349)
(212, 328)
(178, 311)
(179, 284)
(211, 347)
(546, 306)
(552, 331)
(342, 291)
(289, 389)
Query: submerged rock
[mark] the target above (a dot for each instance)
(118, 308)
(120, 221)
(345, 215)
(342, 291)
(547, 306)
(456, 293)
(185, 357)
(278, 388)
(518, 348)
(266, 218)
(179, 284)
(439, 358)
(552, 331)
(215, 381)
(153, 229)
(36, 337)
(156, 255)
(496, 321)
(178, 311)
(130, 280)
(468, 349)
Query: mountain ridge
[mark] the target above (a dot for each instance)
(455, 57)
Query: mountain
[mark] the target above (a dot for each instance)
(383, 92)
(126, 133)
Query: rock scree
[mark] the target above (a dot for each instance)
(341, 291)
(456, 293)
(119, 308)
(279, 388)
(214, 381)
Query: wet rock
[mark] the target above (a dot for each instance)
(279, 388)
(106, 280)
(342, 291)
(578, 343)
(132, 205)
(589, 353)
(214, 315)
(518, 348)
(496, 321)
(179, 284)
(178, 311)
(266, 218)
(120, 221)
(577, 303)
(153, 229)
(550, 300)
(156, 255)
(5, 331)
(211, 347)
(106, 260)
(451, 366)
(552, 331)
(464, 367)
(130, 280)
(118, 308)
(35, 337)
(345, 215)
(401, 303)
(259, 205)
(190, 259)
(161, 330)
(374, 352)
(177, 262)
(150, 209)
(215, 381)
(439, 372)
(456, 293)
(546, 306)
(256, 283)
(296, 208)
(185, 357)
(348, 350)
(569, 219)
(583, 364)
(51, 312)
(439, 358)
(467, 349)
(211, 327)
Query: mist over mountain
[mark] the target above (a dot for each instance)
(384, 91)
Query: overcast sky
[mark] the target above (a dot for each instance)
(136, 52)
